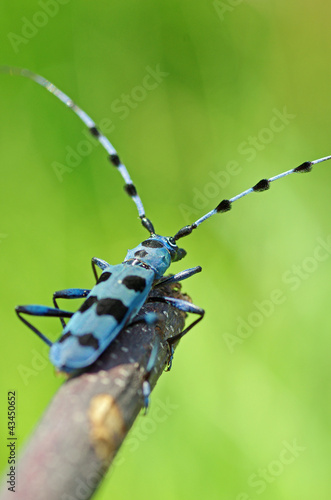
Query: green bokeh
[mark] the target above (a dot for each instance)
(232, 410)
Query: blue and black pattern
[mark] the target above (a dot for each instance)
(119, 293)
(121, 290)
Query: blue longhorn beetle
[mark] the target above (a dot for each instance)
(121, 290)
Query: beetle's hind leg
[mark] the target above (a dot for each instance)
(69, 293)
(35, 310)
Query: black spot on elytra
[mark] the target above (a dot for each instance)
(113, 307)
(65, 337)
(88, 303)
(135, 283)
(89, 340)
(152, 244)
(140, 253)
(104, 277)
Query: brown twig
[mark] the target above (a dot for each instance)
(89, 417)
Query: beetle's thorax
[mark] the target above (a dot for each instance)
(156, 252)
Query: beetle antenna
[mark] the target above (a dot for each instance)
(113, 157)
(262, 185)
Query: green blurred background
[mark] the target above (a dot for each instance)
(223, 422)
